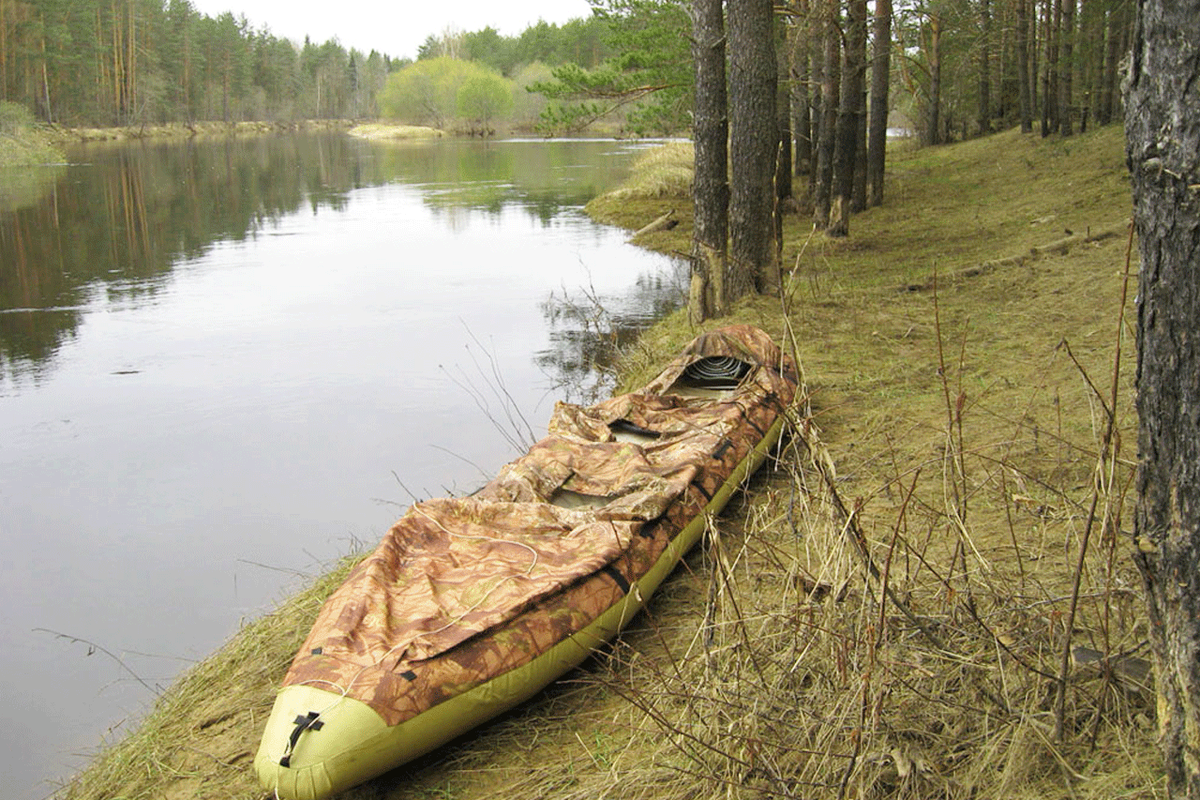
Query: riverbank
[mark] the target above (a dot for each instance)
(28, 149)
(180, 130)
(387, 132)
(951, 346)
(23, 143)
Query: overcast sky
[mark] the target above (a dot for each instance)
(394, 27)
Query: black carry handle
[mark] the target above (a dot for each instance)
(310, 722)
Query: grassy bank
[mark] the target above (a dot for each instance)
(22, 143)
(884, 613)
(180, 130)
(390, 132)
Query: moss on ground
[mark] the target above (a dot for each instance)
(960, 352)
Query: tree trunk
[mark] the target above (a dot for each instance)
(880, 83)
(1035, 54)
(783, 157)
(1050, 27)
(753, 141)
(933, 54)
(1162, 125)
(858, 195)
(846, 137)
(1023, 93)
(799, 35)
(710, 188)
(831, 55)
(1091, 54)
(1116, 46)
(985, 67)
(858, 192)
(1066, 73)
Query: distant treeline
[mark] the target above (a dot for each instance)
(132, 62)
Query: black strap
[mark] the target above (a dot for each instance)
(618, 578)
(310, 722)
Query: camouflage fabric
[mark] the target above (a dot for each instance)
(462, 590)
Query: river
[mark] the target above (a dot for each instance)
(225, 363)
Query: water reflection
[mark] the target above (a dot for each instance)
(123, 217)
(588, 331)
(23, 186)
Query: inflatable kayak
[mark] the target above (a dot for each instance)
(471, 605)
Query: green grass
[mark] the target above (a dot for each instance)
(22, 143)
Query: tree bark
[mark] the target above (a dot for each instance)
(846, 138)
(1116, 47)
(785, 147)
(1066, 73)
(831, 55)
(985, 67)
(710, 187)
(799, 34)
(1162, 125)
(933, 54)
(753, 142)
(1050, 27)
(880, 84)
(1025, 99)
(858, 196)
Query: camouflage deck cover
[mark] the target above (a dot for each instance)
(462, 590)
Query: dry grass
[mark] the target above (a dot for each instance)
(387, 132)
(198, 741)
(884, 612)
(658, 173)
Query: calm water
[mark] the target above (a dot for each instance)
(224, 364)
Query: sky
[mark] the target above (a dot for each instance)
(393, 27)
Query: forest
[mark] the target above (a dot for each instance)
(951, 69)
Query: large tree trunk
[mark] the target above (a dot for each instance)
(753, 141)
(1162, 125)
(831, 56)
(710, 188)
(880, 83)
(846, 143)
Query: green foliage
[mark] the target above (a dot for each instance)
(579, 41)
(130, 62)
(482, 98)
(424, 93)
(650, 81)
(437, 91)
(137, 62)
(528, 105)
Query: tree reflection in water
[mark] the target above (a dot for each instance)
(588, 331)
